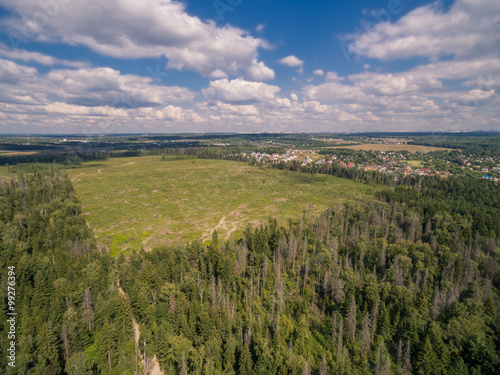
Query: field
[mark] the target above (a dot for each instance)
(415, 163)
(17, 153)
(143, 201)
(394, 147)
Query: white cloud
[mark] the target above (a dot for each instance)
(70, 109)
(395, 84)
(27, 56)
(260, 27)
(469, 28)
(90, 87)
(318, 72)
(231, 109)
(259, 72)
(12, 73)
(149, 28)
(293, 62)
(240, 91)
(106, 86)
(218, 74)
(332, 76)
(481, 66)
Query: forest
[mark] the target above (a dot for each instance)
(405, 283)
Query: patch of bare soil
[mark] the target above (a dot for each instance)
(153, 367)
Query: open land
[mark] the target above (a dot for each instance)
(143, 201)
(14, 153)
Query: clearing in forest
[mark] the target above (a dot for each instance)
(143, 201)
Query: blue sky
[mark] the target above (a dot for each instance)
(116, 66)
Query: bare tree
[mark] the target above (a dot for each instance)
(366, 335)
(88, 311)
(407, 360)
(351, 321)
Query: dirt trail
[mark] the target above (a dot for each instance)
(223, 226)
(153, 366)
(74, 178)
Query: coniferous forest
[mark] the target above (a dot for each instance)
(406, 283)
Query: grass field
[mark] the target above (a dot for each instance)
(17, 153)
(415, 163)
(394, 147)
(142, 201)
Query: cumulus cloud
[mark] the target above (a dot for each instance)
(425, 97)
(240, 91)
(12, 73)
(259, 72)
(395, 84)
(232, 109)
(458, 69)
(332, 76)
(149, 28)
(106, 86)
(89, 87)
(469, 28)
(293, 62)
(70, 109)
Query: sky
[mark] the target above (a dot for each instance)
(163, 66)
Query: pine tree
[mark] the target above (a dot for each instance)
(399, 369)
(88, 311)
(47, 352)
(407, 370)
(107, 343)
(123, 317)
(366, 341)
(245, 362)
(79, 364)
(426, 358)
(382, 362)
(340, 345)
(323, 370)
(183, 368)
(351, 321)
(307, 368)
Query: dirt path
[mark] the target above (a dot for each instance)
(223, 226)
(74, 178)
(153, 366)
(218, 227)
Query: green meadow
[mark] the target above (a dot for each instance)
(143, 201)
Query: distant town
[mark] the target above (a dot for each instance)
(389, 162)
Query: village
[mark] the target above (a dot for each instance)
(389, 162)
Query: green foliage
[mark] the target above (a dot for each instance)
(59, 277)
(404, 284)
